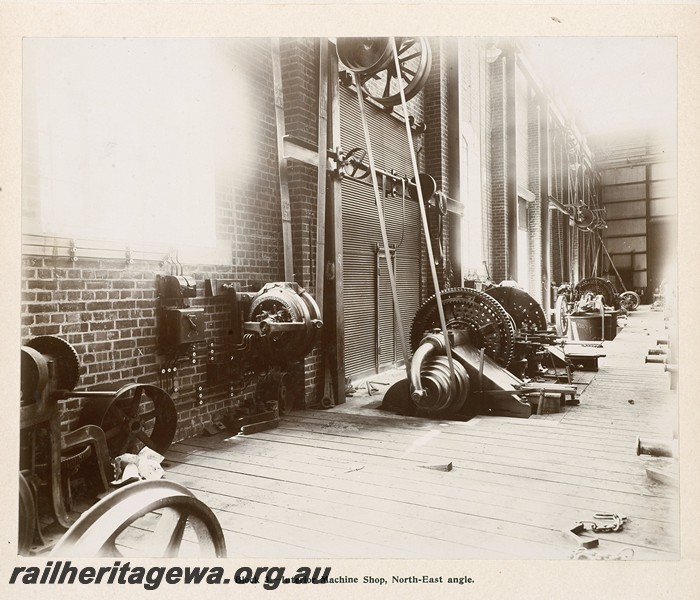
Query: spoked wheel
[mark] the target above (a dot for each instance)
(134, 416)
(561, 315)
(150, 519)
(372, 59)
(629, 300)
(353, 164)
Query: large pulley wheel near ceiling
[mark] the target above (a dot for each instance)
(525, 311)
(165, 513)
(372, 60)
(480, 316)
(598, 287)
(287, 320)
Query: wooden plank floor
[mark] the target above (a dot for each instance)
(350, 482)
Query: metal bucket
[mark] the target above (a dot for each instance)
(586, 328)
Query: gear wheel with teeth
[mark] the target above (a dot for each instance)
(66, 360)
(523, 308)
(488, 324)
(598, 287)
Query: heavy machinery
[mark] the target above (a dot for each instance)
(490, 340)
(280, 324)
(577, 300)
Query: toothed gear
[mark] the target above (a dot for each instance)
(66, 359)
(488, 324)
(598, 287)
(523, 308)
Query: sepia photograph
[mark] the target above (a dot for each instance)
(290, 300)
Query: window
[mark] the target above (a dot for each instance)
(123, 139)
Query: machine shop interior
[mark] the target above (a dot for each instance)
(370, 297)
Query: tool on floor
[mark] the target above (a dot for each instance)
(574, 534)
(617, 522)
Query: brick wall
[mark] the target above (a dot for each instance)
(108, 309)
(437, 160)
(534, 216)
(498, 161)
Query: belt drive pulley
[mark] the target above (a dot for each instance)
(480, 316)
(372, 61)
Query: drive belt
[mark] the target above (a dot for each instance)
(424, 218)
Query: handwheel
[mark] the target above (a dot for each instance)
(134, 416)
(168, 512)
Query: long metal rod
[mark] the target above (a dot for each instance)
(382, 224)
(424, 217)
(321, 177)
(622, 283)
(453, 205)
(282, 162)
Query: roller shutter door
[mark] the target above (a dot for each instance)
(371, 338)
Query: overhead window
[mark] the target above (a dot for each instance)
(123, 138)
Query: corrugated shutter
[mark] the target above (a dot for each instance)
(371, 339)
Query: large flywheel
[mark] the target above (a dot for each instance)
(485, 321)
(523, 308)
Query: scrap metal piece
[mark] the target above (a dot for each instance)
(573, 534)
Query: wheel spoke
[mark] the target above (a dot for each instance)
(141, 435)
(387, 87)
(126, 445)
(119, 413)
(169, 533)
(404, 59)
